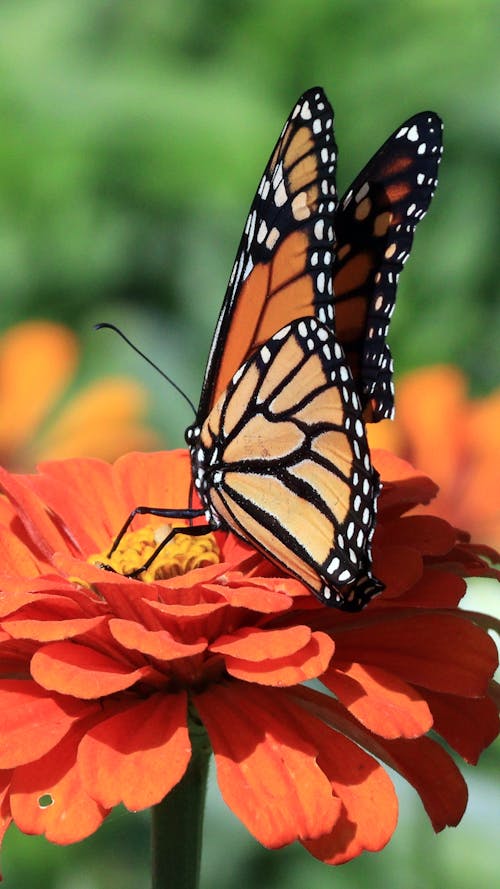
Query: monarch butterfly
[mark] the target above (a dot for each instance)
(299, 361)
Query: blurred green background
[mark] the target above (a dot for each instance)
(133, 136)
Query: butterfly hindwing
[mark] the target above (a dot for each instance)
(374, 226)
(283, 265)
(285, 463)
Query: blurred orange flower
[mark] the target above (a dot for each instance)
(98, 668)
(453, 439)
(38, 361)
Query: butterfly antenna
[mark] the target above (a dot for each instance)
(105, 324)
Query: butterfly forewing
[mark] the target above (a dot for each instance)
(285, 464)
(374, 226)
(282, 269)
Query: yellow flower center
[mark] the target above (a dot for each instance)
(181, 554)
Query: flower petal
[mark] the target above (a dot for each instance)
(51, 630)
(155, 643)
(48, 797)
(256, 644)
(430, 535)
(443, 652)
(308, 663)
(137, 755)
(382, 702)
(469, 726)
(31, 510)
(267, 774)
(38, 359)
(422, 762)
(75, 669)
(33, 721)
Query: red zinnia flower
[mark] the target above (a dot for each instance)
(103, 674)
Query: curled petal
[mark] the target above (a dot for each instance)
(81, 671)
(308, 663)
(256, 644)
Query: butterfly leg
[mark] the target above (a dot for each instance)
(189, 530)
(156, 511)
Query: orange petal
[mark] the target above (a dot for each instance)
(33, 722)
(48, 797)
(158, 479)
(256, 644)
(51, 630)
(308, 663)
(369, 802)
(431, 403)
(37, 362)
(137, 755)
(81, 671)
(101, 421)
(382, 702)
(267, 772)
(155, 643)
(84, 494)
(422, 762)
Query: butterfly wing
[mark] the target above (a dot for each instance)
(374, 226)
(282, 461)
(282, 269)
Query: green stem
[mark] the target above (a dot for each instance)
(177, 824)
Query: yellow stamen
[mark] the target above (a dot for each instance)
(181, 554)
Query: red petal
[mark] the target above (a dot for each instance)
(267, 773)
(48, 797)
(33, 514)
(422, 762)
(429, 535)
(256, 644)
(33, 721)
(308, 663)
(382, 703)
(5, 816)
(443, 652)
(74, 669)
(468, 726)
(139, 754)
(95, 511)
(155, 643)
(435, 589)
(399, 567)
(369, 802)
